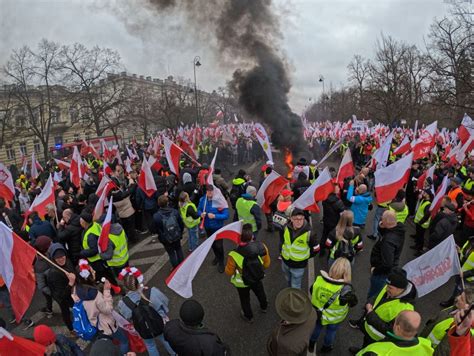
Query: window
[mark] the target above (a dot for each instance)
(10, 151)
(73, 114)
(20, 121)
(55, 115)
(76, 137)
(23, 149)
(37, 146)
(88, 137)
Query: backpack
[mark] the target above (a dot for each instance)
(81, 323)
(171, 228)
(345, 249)
(145, 319)
(252, 268)
(235, 193)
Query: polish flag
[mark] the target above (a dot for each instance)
(186, 146)
(346, 169)
(173, 152)
(146, 182)
(13, 345)
(63, 165)
(466, 129)
(461, 154)
(269, 191)
(404, 146)
(381, 155)
(318, 191)
(131, 154)
(425, 142)
(180, 280)
(16, 269)
(218, 199)
(103, 241)
(156, 146)
(76, 172)
(100, 205)
(438, 199)
(35, 166)
(389, 180)
(87, 148)
(428, 173)
(105, 184)
(154, 163)
(43, 199)
(105, 148)
(7, 188)
(107, 169)
(128, 165)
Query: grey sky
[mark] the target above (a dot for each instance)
(320, 36)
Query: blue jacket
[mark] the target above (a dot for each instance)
(146, 203)
(221, 215)
(360, 205)
(39, 228)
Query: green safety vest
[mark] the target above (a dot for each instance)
(468, 184)
(388, 348)
(243, 207)
(189, 222)
(383, 205)
(236, 279)
(463, 171)
(120, 256)
(93, 229)
(313, 170)
(353, 242)
(322, 292)
(387, 311)
(298, 250)
(401, 215)
(468, 263)
(439, 331)
(420, 212)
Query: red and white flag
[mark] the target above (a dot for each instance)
(466, 129)
(318, 191)
(438, 199)
(13, 345)
(105, 184)
(269, 190)
(218, 199)
(103, 241)
(107, 169)
(100, 205)
(35, 166)
(24, 162)
(87, 148)
(425, 142)
(346, 169)
(404, 146)
(381, 155)
(181, 279)
(7, 188)
(16, 269)
(389, 180)
(428, 173)
(128, 165)
(42, 200)
(132, 155)
(173, 153)
(76, 173)
(154, 163)
(465, 149)
(63, 165)
(146, 182)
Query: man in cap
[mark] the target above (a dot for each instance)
(299, 245)
(56, 344)
(298, 317)
(313, 171)
(189, 337)
(249, 211)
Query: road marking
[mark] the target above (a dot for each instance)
(143, 261)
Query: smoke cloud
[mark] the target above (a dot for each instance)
(246, 34)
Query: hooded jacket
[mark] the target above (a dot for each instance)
(70, 234)
(360, 205)
(386, 251)
(442, 226)
(57, 281)
(332, 209)
(39, 228)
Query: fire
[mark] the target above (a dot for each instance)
(289, 162)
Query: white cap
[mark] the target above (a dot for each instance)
(270, 163)
(314, 162)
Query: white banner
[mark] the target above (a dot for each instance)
(434, 268)
(264, 141)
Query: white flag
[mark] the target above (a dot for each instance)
(264, 141)
(434, 268)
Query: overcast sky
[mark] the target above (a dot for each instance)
(320, 36)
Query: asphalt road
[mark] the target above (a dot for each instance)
(220, 299)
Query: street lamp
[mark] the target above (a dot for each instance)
(196, 63)
(321, 80)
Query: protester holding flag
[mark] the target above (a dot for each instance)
(249, 211)
(190, 218)
(461, 340)
(422, 220)
(361, 200)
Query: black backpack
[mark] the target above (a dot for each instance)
(146, 320)
(252, 268)
(171, 229)
(346, 250)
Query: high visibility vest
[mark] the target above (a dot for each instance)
(322, 292)
(93, 229)
(400, 215)
(189, 222)
(469, 184)
(383, 205)
(386, 348)
(421, 212)
(313, 172)
(120, 256)
(243, 207)
(386, 311)
(298, 250)
(439, 331)
(454, 193)
(236, 279)
(353, 242)
(467, 260)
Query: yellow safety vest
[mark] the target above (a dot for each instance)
(243, 207)
(313, 171)
(420, 212)
(387, 311)
(400, 215)
(322, 292)
(120, 256)
(388, 348)
(298, 250)
(93, 229)
(468, 260)
(189, 222)
(236, 279)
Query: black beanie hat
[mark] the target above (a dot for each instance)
(86, 216)
(191, 312)
(398, 278)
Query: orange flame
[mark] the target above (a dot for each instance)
(289, 162)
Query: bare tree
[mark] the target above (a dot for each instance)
(358, 75)
(8, 105)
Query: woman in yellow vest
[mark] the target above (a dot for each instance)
(191, 219)
(332, 296)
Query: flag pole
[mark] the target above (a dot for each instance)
(52, 263)
(192, 159)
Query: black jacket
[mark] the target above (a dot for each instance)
(157, 225)
(190, 341)
(386, 252)
(332, 209)
(57, 281)
(71, 235)
(442, 226)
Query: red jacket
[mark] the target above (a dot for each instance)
(460, 345)
(469, 218)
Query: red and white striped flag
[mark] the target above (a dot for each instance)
(181, 279)
(346, 169)
(43, 199)
(269, 190)
(404, 146)
(7, 188)
(35, 166)
(154, 163)
(218, 199)
(466, 129)
(146, 182)
(63, 165)
(76, 173)
(428, 173)
(105, 184)
(128, 165)
(318, 191)
(389, 180)
(425, 142)
(13, 345)
(438, 199)
(381, 155)
(16, 269)
(173, 153)
(103, 241)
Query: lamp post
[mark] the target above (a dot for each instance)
(196, 63)
(321, 80)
